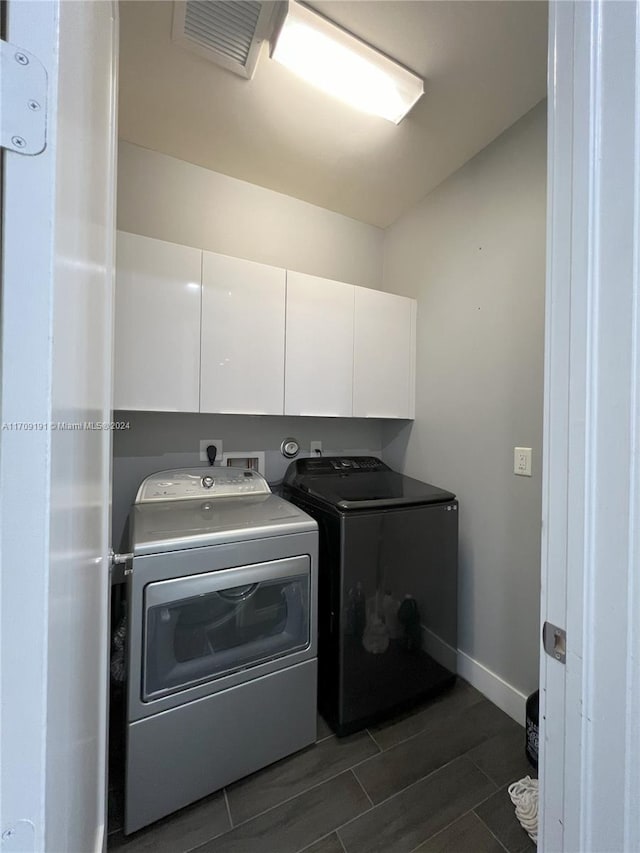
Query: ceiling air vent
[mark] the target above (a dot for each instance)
(227, 32)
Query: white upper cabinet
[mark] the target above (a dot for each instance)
(319, 359)
(157, 325)
(196, 331)
(243, 313)
(384, 355)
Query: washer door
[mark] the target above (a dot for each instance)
(205, 626)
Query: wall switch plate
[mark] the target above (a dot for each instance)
(316, 448)
(522, 461)
(204, 443)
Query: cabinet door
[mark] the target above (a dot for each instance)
(157, 325)
(242, 367)
(384, 355)
(319, 360)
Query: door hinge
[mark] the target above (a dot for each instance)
(23, 95)
(554, 640)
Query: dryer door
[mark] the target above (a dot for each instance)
(205, 626)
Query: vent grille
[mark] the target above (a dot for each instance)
(229, 32)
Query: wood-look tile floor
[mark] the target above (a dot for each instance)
(431, 781)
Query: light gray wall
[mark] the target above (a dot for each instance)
(159, 196)
(156, 441)
(165, 198)
(473, 254)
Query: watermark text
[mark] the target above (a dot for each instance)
(45, 426)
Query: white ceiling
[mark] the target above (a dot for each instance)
(484, 64)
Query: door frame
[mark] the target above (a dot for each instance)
(590, 726)
(24, 536)
(58, 221)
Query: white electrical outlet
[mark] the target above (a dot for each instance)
(204, 443)
(522, 461)
(316, 448)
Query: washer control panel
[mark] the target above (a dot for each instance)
(213, 482)
(331, 464)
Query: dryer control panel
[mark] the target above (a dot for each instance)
(211, 483)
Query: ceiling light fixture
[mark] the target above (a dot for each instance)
(340, 64)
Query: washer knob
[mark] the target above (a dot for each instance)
(207, 482)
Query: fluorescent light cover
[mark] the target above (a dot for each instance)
(341, 65)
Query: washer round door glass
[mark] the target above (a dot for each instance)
(206, 626)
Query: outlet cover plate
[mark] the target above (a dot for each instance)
(204, 443)
(522, 461)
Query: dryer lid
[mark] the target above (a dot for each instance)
(178, 525)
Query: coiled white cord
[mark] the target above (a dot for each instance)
(524, 796)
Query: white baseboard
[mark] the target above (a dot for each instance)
(435, 646)
(496, 689)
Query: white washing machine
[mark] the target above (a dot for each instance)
(222, 636)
